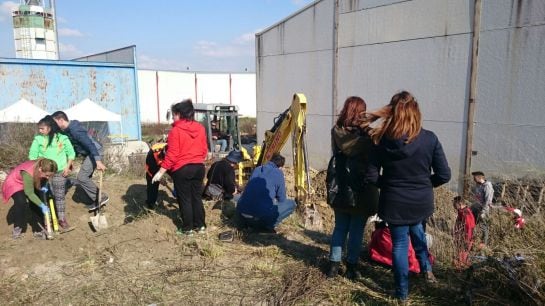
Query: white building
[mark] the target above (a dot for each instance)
(333, 49)
(35, 31)
(158, 90)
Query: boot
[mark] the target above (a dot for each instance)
(333, 269)
(352, 272)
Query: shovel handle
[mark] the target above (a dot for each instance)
(99, 197)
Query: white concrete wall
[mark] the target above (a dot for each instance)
(509, 126)
(423, 46)
(160, 89)
(296, 57)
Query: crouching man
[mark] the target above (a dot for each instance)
(263, 204)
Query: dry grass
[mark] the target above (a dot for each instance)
(140, 260)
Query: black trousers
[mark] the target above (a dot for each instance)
(188, 181)
(20, 204)
(152, 190)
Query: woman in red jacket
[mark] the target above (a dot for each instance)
(184, 159)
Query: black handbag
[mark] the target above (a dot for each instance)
(214, 192)
(339, 191)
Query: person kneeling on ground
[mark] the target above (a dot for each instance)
(263, 204)
(222, 173)
(21, 185)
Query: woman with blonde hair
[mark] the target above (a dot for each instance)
(412, 163)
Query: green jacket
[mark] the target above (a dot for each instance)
(60, 150)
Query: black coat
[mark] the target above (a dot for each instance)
(355, 145)
(409, 173)
(223, 174)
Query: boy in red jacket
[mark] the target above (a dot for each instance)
(463, 232)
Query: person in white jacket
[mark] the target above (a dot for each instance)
(484, 194)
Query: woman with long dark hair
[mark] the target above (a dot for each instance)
(351, 144)
(51, 143)
(412, 163)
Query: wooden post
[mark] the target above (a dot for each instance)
(472, 94)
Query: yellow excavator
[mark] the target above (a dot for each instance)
(292, 122)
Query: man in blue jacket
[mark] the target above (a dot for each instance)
(263, 204)
(87, 147)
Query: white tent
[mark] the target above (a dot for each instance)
(88, 110)
(22, 111)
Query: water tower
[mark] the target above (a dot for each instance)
(35, 30)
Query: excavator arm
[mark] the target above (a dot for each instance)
(291, 122)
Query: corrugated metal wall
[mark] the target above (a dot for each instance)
(58, 85)
(423, 46)
(160, 89)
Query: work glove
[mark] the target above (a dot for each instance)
(44, 208)
(157, 177)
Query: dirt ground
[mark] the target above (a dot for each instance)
(139, 260)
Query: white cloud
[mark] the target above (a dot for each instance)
(242, 45)
(148, 62)
(68, 51)
(67, 32)
(6, 8)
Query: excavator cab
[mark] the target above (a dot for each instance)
(221, 124)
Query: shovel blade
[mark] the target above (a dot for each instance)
(313, 219)
(98, 222)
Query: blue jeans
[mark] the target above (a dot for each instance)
(347, 225)
(222, 143)
(284, 209)
(400, 254)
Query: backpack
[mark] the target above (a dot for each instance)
(339, 191)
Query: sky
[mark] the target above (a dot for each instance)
(195, 35)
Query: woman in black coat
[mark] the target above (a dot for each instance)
(413, 163)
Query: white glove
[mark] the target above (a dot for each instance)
(157, 177)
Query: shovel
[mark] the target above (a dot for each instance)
(98, 221)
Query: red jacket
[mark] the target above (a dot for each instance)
(186, 145)
(463, 228)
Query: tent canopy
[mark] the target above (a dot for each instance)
(88, 110)
(22, 111)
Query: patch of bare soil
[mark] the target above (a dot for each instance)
(140, 260)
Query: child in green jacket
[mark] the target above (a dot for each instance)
(52, 144)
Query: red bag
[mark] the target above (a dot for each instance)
(380, 249)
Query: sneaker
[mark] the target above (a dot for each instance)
(103, 202)
(189, 233)
(39, 235)
(17, 233)
(430, 278)
(65, 227)
(200, 230)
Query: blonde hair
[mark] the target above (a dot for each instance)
(400, 118)
(45, 165)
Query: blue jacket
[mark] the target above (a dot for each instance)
(409, 173)
(265, 187)
(83, 144)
